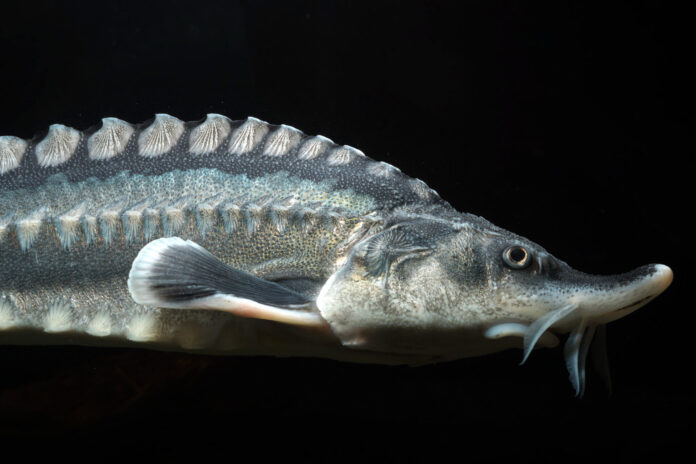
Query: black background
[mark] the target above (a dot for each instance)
(563, 122)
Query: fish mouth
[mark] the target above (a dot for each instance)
(650, 281)
(601, 300)
(641, 302)
(599, 305)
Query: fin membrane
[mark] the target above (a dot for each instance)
(175, 273)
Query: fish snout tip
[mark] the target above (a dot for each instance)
(663, 276)
(615, 296)
(656, 279)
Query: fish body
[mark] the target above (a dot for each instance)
(242, 237)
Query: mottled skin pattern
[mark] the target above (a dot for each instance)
(281, 218)
(395, 274)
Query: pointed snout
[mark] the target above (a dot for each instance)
(607, 298)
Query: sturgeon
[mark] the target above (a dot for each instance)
(243, 237)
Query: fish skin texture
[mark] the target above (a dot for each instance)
(76, 207)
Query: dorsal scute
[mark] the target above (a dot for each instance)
(282, 140)
(110, 140)
(161, 136)
(59, 145)
(248, 136)
(12, 150)
(207, 136)
(166, 142)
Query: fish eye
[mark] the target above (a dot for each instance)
(516, 257)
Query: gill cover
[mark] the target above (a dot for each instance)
(374, 301)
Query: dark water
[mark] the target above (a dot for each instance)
(563, 123)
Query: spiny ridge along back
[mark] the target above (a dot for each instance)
(164, 134)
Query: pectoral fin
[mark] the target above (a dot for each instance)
(175, 273)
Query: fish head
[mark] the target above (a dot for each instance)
(460, 288)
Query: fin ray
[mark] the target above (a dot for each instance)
(175, 273)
